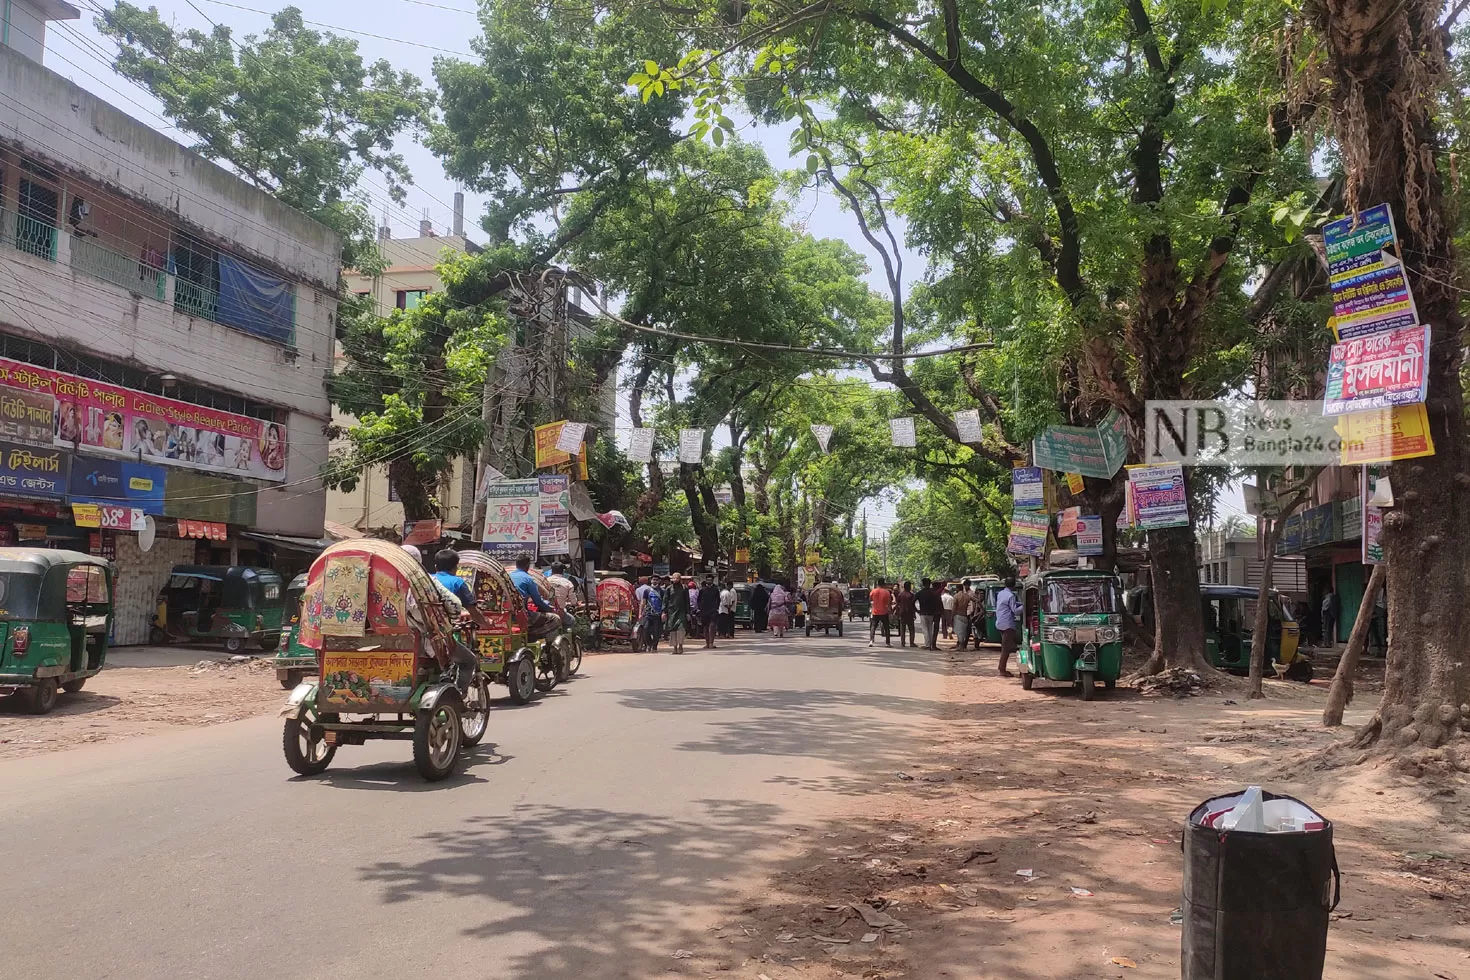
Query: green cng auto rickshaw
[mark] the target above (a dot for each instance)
(1230, 621)
(987, 586)
(294, 662)
(55, 619)
(1073, 630)
(234, 603)
(859, 602)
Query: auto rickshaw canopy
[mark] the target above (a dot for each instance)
(38, 584)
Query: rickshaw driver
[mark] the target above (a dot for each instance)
(544, 617)
(462, 657)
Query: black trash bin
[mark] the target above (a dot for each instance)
(1256, 904)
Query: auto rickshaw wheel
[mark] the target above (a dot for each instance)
(520, 679)
(156, 636)
(290, 679)
(1027, 680)
(74, 687)
(41, 697)
(307, 756)
(548, 669)
(234, 644)
(1089, 680)
(437, 737)
(476, 718)
(269, 642)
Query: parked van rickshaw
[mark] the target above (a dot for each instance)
(235, 603)
(859, 602)
(293, 661)
(1230, 622)
(1073, 629)
(616, 611)
(383, 635)
(824, 608)
(509, 654)
(55, 619)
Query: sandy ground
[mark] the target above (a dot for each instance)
(923, 876)
(127, 701)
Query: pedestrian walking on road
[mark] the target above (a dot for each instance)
(946, 597)
(931, 611)
(780, 610)
(908, 610)
(963, 603)
(709, 611)
(1008, 621)
(727, 610)
(678, 614)
(760, 604)
(880, 612)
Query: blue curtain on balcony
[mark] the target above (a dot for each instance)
(255, 301)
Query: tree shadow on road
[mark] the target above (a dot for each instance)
(588, 892)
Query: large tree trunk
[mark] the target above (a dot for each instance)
(1106, 499)
(416, 490)
(1342, 682)
(648, 502)
(1179, 626)
(704, 527)
(1387, 67)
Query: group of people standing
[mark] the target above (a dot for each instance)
(676, 606)
(933, 609)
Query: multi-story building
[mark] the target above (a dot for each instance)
(1232, 557)
(165, 330)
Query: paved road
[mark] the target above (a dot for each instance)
(592, 839)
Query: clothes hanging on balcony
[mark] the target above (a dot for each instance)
(255, 301)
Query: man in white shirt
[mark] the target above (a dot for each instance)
(947, 620)
(727, 610)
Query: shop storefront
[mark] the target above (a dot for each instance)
(1329, 537)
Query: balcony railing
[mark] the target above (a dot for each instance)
(28, 235)
(103, 263)
(196, 300)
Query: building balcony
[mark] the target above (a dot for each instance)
(129, 272)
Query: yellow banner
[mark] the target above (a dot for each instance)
(742, 556)
(546, 452)
(86, 515)
(1074, 483)
(1381, 436)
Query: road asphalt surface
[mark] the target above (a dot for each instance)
(595, 831)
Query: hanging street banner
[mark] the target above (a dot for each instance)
(1096, 451)
(742, 556)
(1159, 499)
(1089, 535)
(512, 516)
(691, 446)
(569, 440)
(1028, 533)
(903, 433)
(967, 424)
(1027, 490)
(640, 447)
(1074, 483)
(555, 496)
(1378, 371)
(547, 438)
(1369, 290)
(1401, 432)
(1067, 522)
(823, 433)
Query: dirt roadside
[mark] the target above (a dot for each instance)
(125, 702)
(922, 878)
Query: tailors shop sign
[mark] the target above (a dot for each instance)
(33, 471)
(110, 420)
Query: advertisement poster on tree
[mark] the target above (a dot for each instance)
(1027, 490)
(1029, 532)
(1159, 498)
(1378, 371)
(512, 516)
(1089, 535)
(1067, 522)
(1369, 290)
(1401, 432)
(546, 438)
(555, 496)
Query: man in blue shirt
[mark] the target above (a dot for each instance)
(537, 606)
(446, 564)
(1008, 615)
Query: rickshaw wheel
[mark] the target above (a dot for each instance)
(476, 718)
(292, 678)
(548, 669)
(41, 697)
(839, 627)
(234, 644)
(1027, 680)
(573, 648)
(73, 687)
(304, 756)
(437, 736)
(520, 679)
(1089, 679)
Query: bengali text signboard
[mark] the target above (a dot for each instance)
(1089, 535)
(512, 516)
(1159, 498)
(1027, 490)
(1401, 432)
(1369, 290)
(1028, 533)
(1378, 371)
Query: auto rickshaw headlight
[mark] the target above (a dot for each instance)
(1107, 634)
(1058, 634)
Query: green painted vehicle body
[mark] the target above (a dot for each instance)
(202, 602)
(55, 616)
(1059, 643)
(290, 654)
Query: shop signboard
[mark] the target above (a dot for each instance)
(1159, 498)
(1349, 519)
(208, 498)
(1378, 371)
(1369, 290)
(1308, 529)
(33, 471)
(111, 517)
(27, 416)
(512, 516)
(113, 481)
(115, 421)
